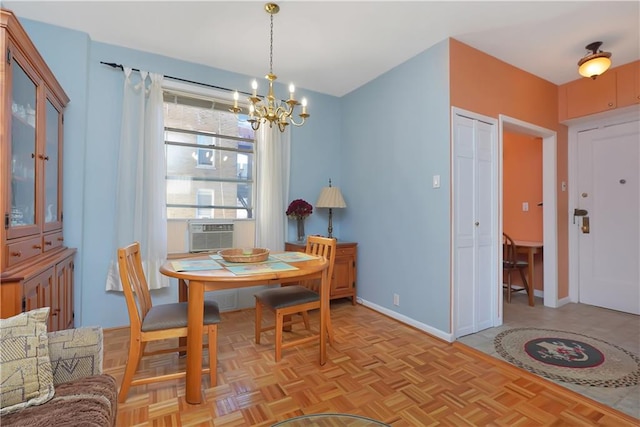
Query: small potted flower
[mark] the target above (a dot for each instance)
(299, 210)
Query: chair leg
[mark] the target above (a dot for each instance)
(279, 324)
(524, 280)
(305, 319)
(258, 321)
(213, 354)
(329, 330)
(135, 353)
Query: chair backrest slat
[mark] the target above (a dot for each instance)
(134, 284)
(324, 247)
(509, 250)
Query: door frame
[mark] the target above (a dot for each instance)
(549, 201)
(575, 126)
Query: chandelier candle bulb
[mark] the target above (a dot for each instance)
(304, 105)
(254, 86)
(292, 89)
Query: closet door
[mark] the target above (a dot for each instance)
(475, 221)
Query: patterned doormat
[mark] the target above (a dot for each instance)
(569, 357)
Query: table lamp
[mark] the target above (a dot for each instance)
(330, 197)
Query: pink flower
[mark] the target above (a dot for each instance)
(299, 209)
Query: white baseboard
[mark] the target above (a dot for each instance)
(407, 320)
(564, 301)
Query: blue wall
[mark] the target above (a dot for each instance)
(395, 135)
(381, 144)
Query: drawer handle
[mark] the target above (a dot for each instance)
(60, 239)
(37, 246)
(47, 243)
(16, 254)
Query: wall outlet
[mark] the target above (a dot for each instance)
(396, 299)
(525, 206)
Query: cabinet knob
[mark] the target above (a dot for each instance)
(60, 239)
(477, 223)
(16, 254)
(43, 157)
(37, 246)
(610, 104)
(47, 242)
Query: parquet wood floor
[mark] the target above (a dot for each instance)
(378, 368)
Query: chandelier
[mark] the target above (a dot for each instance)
(271, 109)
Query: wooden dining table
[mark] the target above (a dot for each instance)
(193, 284)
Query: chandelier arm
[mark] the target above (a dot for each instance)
(293, 122)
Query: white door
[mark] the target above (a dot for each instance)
(609, 237)
(474, 218)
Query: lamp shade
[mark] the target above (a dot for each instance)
(594, 67)
(594, 63)
(330, 197)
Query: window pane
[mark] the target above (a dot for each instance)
(209, 155)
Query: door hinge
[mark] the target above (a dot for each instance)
(63, 119)
(61, 216)
(24, 304)
(6, 221)
(8, 56)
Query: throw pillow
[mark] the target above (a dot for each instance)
(75, 353)
(25, 369)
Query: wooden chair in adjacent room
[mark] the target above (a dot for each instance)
(511, 263)
(150, 322)
(287, 301)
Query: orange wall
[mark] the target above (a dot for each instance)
(522, 182)
(486, 85)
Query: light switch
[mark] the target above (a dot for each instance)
(525, 206)
(436, 181)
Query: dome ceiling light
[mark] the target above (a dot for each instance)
(595, 62)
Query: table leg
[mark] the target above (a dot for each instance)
(194, 342)
(531, 252)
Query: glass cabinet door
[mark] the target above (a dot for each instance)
(23, 215)
(51, 167)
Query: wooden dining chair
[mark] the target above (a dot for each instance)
(287, 301)
(150, 322)
(510, 263)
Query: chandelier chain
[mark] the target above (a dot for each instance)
(271, 49)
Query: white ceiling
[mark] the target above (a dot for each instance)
(334, 47)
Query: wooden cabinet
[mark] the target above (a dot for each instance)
(628, 84)
(31, 125)
(343, 282)
(616, 88)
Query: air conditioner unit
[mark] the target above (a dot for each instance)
(209, 236)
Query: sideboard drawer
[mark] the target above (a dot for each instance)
(20, 251)
(52, 241)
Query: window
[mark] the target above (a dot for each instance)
(209, 158)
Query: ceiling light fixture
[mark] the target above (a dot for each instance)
(595, 62)
(270, 109)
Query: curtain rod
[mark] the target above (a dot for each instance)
(114, 65)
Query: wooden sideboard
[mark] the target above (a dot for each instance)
(343, 282)
(37, 269)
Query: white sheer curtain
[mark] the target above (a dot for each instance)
(140, 193)
(272, 170)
